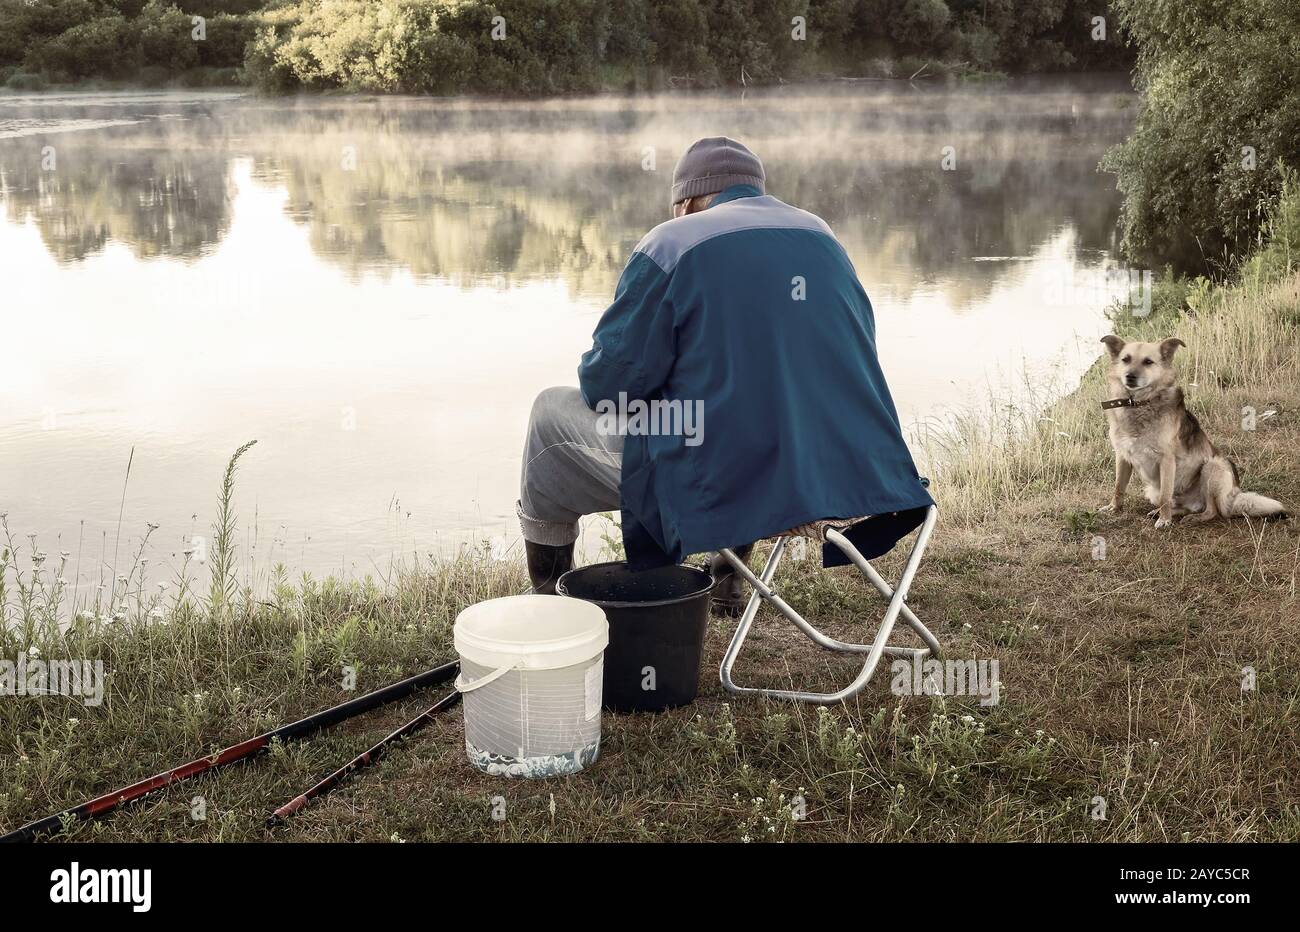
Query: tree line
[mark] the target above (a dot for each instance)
(528, 47)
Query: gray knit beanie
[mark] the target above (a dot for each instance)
(713, 164)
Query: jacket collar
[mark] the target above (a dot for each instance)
(735, 192)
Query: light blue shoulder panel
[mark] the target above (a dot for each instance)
(667, 243)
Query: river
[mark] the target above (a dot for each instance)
(375, 288)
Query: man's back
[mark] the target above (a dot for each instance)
(752, 311)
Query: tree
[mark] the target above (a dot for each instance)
(919, 25)
(1220, 122)
(165, 38)
(103, 47)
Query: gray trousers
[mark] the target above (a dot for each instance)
(570, 468)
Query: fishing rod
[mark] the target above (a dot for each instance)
(100, 805)
(363, 760)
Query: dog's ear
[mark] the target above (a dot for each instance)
(1169, 347)
(1113, 343)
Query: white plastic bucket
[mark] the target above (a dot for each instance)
(530, 671)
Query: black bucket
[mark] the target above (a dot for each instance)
(657, 619)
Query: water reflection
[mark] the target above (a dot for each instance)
(469, 192)
(197, 270)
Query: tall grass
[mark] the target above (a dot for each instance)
(224, 587)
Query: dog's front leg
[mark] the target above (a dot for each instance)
(1167, 466)
(1123, 472)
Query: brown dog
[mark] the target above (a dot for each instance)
(1153, 432)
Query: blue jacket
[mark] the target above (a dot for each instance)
(751, 312)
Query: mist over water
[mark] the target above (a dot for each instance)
(375, 289)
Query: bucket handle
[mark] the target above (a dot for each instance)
(464, 687)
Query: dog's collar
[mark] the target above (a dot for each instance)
(1129, 402)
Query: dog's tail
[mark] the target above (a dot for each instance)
(1254, 505)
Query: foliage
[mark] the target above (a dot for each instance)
(542, 46)
(165, 40)
(1220, 122)
(227, 38)
(101, 47)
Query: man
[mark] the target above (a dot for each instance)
(746, 313)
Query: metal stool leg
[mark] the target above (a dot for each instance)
(884, 589)
(763, 591)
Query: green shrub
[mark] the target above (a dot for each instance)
(679, 30)
(166, 40)
(919, 25)
(19, 81)
(443, 64)
(227, 39)
(103, 47)
(24, 24)
(549, 47)
(1220, 121)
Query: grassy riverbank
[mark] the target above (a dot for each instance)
(1122, 677)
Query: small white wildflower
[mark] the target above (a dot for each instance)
(33, 651)
(74, 722)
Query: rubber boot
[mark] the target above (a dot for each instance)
(546, 564)
(729, 597)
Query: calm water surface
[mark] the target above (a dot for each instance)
(375, 289)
